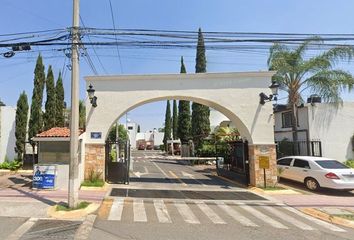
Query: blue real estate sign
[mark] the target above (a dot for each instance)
(44, 176)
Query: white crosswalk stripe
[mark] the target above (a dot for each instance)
(262, 216)
(186, 212)
(236, 215)
(139, 211)
(272, 215)
(209, 213)
(161, 211)
(116, 210)
(287, 218)
(315, 220)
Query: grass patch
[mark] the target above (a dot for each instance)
(345, 216)
(96, 183)
(272, 188)
(65, 207)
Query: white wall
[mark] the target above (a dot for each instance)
(7, 132)
(132, 132)
(281, 133)
(236, 95)
(155, 136)
(216, 118)
(334, 127)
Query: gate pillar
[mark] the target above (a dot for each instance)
(256, 173)
(95, 160)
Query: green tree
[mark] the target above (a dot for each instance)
(59, 103)
(82, 114)
(50, 104)
(2, 103)
(21, 125)
(184, 115)
(167, 130)
(296, 72)
(35, 124)
(122, 133)
(174, 120)
(200, 113)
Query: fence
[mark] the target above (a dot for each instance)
(304, 148)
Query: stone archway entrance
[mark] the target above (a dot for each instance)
(236, 95)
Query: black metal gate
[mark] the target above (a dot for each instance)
(117, 161)
(236, 167)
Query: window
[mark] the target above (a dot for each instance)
(286, 120)
(285, 162)
(301, 164)
(331, 164)
(130, 128)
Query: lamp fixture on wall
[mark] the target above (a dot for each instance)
(91, 95)
(263, 97)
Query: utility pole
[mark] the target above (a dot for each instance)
(73, 194)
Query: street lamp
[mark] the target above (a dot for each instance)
(91, 95)
(274, 87)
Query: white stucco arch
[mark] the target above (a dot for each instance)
(234, 118)
(236, 95)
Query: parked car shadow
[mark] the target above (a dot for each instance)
(323, 191)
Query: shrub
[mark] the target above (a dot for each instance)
(94, 175)
(13, 165)
(206, 150)
(113, 155)
(349, 163)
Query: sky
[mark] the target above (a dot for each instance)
(294, 16)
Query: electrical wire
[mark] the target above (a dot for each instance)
(114, 27)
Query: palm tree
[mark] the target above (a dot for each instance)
(297, 73)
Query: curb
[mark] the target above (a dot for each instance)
(328, 218)
(105, 208)
(75, 214)
(275, 192)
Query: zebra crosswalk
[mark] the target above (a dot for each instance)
(196, 212)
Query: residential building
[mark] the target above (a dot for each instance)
(332, 126)
(132, 129)
(7, 133)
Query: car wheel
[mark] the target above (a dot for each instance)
(312, 184)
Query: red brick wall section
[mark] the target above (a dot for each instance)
(256, 173)
(94, 160)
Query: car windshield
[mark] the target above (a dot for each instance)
(331, 164)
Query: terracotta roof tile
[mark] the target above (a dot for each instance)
(57, 132)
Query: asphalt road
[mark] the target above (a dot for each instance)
(167, 199)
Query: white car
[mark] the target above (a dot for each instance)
(316, 172)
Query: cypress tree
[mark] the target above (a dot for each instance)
(59, 103)
(174, 120)
(184, 115)
(36, 119)
(21, 125)
(50, 104)
(167, 130)
(200, 113)
(82, 114)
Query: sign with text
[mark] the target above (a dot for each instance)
(44, 176)
(96, 135)
(263, 162)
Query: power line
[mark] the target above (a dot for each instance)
(94, 49)
(114, 27)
